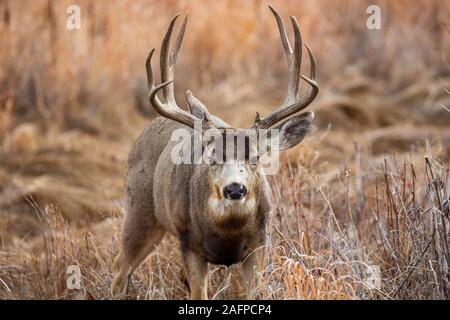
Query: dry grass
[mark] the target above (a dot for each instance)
(369, 187)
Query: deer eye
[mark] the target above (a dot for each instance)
(211, 161)
(254, 160)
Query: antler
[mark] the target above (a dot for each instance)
(292, 104)
(169, 108)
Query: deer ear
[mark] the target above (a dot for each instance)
(196, 107)
(293, 130)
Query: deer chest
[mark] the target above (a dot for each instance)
(226, 250)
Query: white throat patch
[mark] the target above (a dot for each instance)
(224, 207)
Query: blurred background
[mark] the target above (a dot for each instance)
(73, 101)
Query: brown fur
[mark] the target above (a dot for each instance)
(162, 196)
(185, 199)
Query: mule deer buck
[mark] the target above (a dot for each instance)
(217, 210)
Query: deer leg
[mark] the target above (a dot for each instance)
(137, 245)
(249, 271)
(196, 269)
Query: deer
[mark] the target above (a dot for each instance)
(218, 211)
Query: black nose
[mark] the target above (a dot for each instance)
(234, 191)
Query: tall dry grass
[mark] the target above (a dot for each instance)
(327, 236)
(92, 78)
(358, 194)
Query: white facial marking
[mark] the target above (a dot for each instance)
(223, 207)
(232, 172)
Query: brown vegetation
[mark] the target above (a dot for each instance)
(369, 186)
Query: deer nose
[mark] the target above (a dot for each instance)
(234, 191)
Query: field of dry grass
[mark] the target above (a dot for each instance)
(368, 190)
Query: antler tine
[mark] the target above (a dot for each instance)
(313, 72)
(283, 35)
(151, 83)
(313, 90)
(167, 62)
(148, 68)
(178, 42)
(292, 103)
(168, 108)
(294, 57)
(295, 63)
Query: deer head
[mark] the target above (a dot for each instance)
(233, 172)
